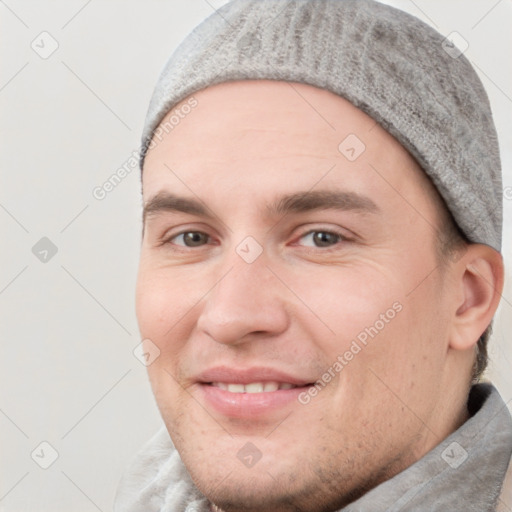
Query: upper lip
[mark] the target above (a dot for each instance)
(247, 375)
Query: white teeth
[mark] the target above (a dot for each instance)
(236, 388)
(253, 387)
(271, 386)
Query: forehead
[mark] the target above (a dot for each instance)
(286, 110)
(271, 134)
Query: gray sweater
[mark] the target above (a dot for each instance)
(465, 472)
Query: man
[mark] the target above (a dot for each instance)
(319, 269)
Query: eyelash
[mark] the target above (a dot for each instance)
(341, 238)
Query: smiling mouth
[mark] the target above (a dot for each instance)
(256, 393)
(253, 387)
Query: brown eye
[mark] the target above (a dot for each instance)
(191, 239)
(321, 238)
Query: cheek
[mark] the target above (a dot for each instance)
(346, 302)
(151, 304)
(162, 314)
(163, 302)
(158, 307)
(369, 316)
(406, 357)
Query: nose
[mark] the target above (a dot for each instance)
(246, 303)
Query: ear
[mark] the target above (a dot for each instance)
(480, 276)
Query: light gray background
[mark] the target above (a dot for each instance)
(68, 326)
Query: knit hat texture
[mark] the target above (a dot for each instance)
(404, 74)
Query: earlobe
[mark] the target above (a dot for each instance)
(481, 276)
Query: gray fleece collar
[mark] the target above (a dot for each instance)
(464, 472)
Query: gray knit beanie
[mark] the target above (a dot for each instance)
(389, 64)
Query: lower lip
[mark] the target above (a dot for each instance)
(249, 405)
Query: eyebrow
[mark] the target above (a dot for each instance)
(322, 200)
(298, 202)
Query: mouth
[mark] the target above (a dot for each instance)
(253, 387)
(249, 393)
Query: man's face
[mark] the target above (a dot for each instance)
(273, 259)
